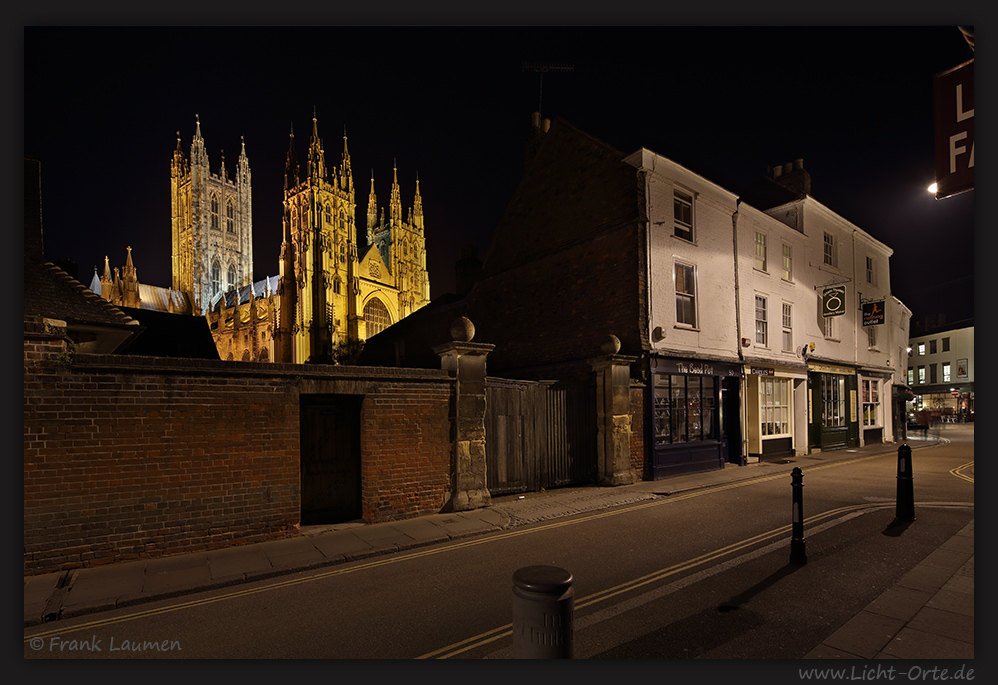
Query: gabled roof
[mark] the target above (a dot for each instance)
(260, 289)
(51, 292)
(170, 335)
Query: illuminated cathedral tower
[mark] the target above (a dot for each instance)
(212, 225)
(333, 288)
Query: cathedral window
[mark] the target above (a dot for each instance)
(216, 278)
(329, 214)
(230, 215)
(214, 211)
(232, 277)
(377, 317)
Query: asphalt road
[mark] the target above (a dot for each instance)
(699, 575)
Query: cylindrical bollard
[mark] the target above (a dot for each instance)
(798, 554)
(543, 607)
(905, 506)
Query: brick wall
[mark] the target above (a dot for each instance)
(639, 458)
(126, 458)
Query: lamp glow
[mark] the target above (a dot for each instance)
(932, 188)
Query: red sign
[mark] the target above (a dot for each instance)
(955, 393)
(954, 107)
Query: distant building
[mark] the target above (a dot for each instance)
(941, 370)
(335, 286)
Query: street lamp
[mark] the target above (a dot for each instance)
(932, 188)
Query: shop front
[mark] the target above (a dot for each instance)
(773, 410)
(833, 407)
(875, 411)
(695, 416)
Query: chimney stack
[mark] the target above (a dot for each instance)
(794, 176)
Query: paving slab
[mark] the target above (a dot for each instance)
(865, 634)
(174, 580)
(917, 644)
(235, 561)
(338, 546)
(944, 623)
(99, 586)
(900, 602)
(955, 602)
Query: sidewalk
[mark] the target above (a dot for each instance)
(931, 609)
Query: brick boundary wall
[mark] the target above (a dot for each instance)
(639, 458)
(128, 458)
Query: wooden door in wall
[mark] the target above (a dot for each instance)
(330, 458)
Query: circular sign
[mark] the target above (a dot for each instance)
(955, 393)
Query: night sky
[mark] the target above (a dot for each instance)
(102, 108)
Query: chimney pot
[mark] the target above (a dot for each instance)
(798, 164)
(788, 167)
(777, 171)
(545, 125)
(535, 119)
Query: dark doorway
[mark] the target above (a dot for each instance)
(731, 428)
(330, 458)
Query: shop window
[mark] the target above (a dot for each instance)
(871, 402)
(685, 408)
(774, 398)
(833, 401)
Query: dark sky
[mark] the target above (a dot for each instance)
(102, 108)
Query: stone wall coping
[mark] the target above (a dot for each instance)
(117, 363)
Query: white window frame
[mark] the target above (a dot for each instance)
(871, 269)
(775, 407)
(871, 337)
(870, 399)
(828, 327)
(947, 372)
(681, 228)
(687, 296)
(762, 322)
(788, 327)
(828, 249)
(788, 262)
(761, 262)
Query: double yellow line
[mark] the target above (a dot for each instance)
(958, 472)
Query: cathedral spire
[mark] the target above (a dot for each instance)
(346, 174)
(418, 207)
(372, 212)
(316, 155)
(395, 204)
(291, 168)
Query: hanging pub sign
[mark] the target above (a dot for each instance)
(833, 301)
(873, 313)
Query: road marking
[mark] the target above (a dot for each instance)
(957, 472)
(846, 512)
(398, 558)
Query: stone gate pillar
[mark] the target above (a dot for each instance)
(465, 362)
(613, 414)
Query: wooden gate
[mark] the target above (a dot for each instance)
(330, 458)
(539, 434)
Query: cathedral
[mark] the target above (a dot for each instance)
(334, 286)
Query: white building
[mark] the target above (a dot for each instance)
(941, 371)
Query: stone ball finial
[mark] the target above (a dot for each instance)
(462, 330)
(611, 345)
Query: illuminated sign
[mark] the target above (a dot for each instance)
(873, 313)
(954, 110)
(833, 301)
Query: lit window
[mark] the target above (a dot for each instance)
(829, 249)
(214, 211)
(921, 349)
(685, 408)
(377, 317)
(761, 324)
(216, 278)
(788, 321)
(946, 372)
(685, 294)
(788, 263)
(230, 218)
(921, 374)
(833, 400)
(232, 276)
(683, 210)
(760, 251)
(911, 376)
(871, 402)
(774, 410)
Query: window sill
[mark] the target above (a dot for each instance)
(686, 327)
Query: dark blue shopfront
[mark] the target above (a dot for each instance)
(695, 410)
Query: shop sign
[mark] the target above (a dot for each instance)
(828, 368)
(697, 367)
(833, 301)
(961, 368)
(954, 114)
(761, 371)
(873, 313)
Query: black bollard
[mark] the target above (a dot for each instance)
(798, 555)
(543, 607)
(905, 507)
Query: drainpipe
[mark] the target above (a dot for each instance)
(646, 175)
(742, 390)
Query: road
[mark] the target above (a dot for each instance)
(704, 574)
